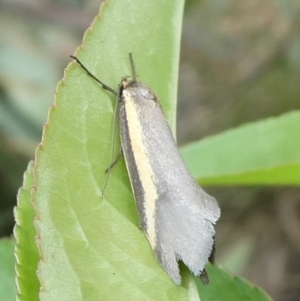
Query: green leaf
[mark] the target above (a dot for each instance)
(92, 248)
(8, 287)
(225, 287)
(26, 251)
(264, 152)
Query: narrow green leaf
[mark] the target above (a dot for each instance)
(92, 248)
(26, 251)
(225, 287)
(8, 287)
(264, 152)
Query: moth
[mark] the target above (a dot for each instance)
(176, 214)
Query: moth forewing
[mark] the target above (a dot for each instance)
(175, 212)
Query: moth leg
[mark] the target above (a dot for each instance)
(204, 277)
(211, 258)
(108, 169)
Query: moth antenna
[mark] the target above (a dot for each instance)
(132, 66)
(104, 86)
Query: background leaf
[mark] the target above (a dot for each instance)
(26, 251)
(264, 152)
(229, 288)
(8, 287)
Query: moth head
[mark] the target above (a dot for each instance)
(126, 81)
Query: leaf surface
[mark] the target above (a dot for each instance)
(7, 273)
(266, 152)
(92, 248)
(26, 251)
